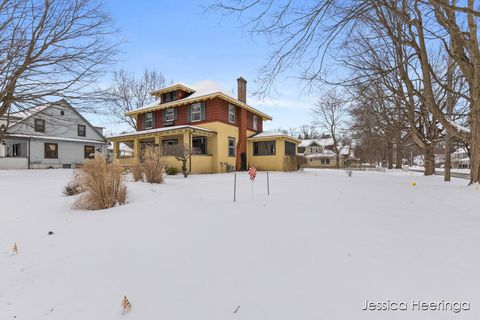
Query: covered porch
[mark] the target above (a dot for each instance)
(202, 143)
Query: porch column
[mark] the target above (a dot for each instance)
(188, 144)
(136, 148)
(116, 148)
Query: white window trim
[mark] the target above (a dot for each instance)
(170, 115)
(255, 122)
(231, 112)
(199, 112)
(150, 121)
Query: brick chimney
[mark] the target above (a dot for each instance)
(242, 89)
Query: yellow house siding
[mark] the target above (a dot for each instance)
(274, 162)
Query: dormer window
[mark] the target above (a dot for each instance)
(196, 112)
(149, 120)
(169, 96)
(231, 113)
(255, 122)
(169, 115)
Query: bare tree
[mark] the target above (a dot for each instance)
(51, 49)
(308, 131)
(129, 92)
(330, 113)
(181, 152)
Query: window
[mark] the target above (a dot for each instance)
(255, 123)
(170, 142)
(264, 148)
(290, 148)
(148, 120)
(169, 96)
(170, 115)
(231, 113)
(39, 125)
(231, 147)
(16, 150)
(51, 151)
(81, 130)
(196, 112)
(199, 145)
(89, 152)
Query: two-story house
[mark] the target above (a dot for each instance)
(53, 135)
(219, 128)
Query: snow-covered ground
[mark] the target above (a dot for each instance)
(316, 248)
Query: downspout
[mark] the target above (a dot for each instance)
(28, 153)
(190, 148)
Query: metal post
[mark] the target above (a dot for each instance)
(268, 184)
(235, 187)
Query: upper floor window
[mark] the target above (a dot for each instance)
(255, 122)
(148, 120)
(39, 125)
(169, 115)
(169, 96)
(196, 112)
(231, 113)
(81, 130)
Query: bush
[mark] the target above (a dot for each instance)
(294, 163)
(102, 184)
(136, 170)
(171, 171)
(72, 188)
(153, 165)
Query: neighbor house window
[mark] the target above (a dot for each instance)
(199, 145)
(231, 113)
(255, 123)
(170, 115)
(51, 151)
(148, 120)
(196, 112)
(290, 148)
(81, 130)
(231, 147)
(39, 125)
(16, 150)
(264, 148)
(89, 152)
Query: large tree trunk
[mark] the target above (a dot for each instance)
(448, 162)
(398, 151)
(390, 155)
(429, 155)
(475, 151)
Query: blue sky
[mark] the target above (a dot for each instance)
(186, 44)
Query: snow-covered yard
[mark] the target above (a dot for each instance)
(316, 248)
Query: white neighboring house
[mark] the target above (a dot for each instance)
(49, 136)
(460, 159)
(319, 152)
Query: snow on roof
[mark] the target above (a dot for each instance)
(271, 134)
(322, 142)
(459, 127)
(29, 111)
(163, 129)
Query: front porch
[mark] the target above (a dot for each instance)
(201, 141)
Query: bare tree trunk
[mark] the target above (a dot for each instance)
(429, 155)
(398, 151)
(390, 154)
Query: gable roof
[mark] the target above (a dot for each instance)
(202, 90)
(321, 142)
(27, 113)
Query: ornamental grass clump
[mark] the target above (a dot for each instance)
(136, 170)
(153, 165)
(102, 185)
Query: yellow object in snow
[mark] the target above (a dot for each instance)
(414, 184)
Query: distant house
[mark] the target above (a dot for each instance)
(320, 153)
(55, 135)
(222, 130)
(460, 159)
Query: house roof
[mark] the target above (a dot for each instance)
(172, 87)
(158, 130)
(322, 142)
(273, 134)
(202, 90)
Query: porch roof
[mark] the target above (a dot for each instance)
(166, 130)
